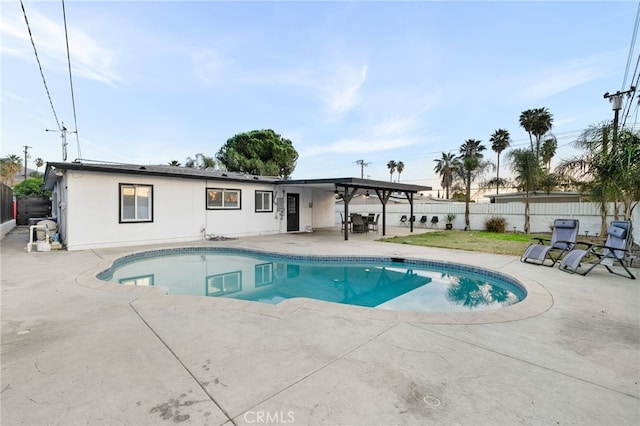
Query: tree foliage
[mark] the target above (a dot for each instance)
(200, 161)
(527, 174)
(500, 140)
(470, 167)
(9, 166)
(445, 167)
(31, 187)
(537, 122)
(259, 152)
(391, 165)
(608, 170)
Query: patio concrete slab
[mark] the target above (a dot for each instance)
(76, 350)
(412, 376)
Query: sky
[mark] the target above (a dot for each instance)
(156, 81)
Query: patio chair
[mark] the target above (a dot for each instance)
(403, 220)
(358, 223)
(423, 222)
(614, 250)
(563, 239)
(434, 222)
(373, 225)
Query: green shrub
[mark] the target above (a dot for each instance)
(495, 224)
(31, 187)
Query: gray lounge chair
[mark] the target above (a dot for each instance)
(563, 239)
(615, 250)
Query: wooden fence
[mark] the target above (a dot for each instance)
(6, 203)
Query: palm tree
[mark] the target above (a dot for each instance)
(549, 147)
(392, 168)
(9, 166)
(537, 122)
(526, 172)
(500, 140)
(400, 169)
(39, 162)
(609, 172)
(445, 167)
(586, 171)
(208, 162)
(191, 162)
(527, 122)
(542, 124)
(471, 165)
(174, 163)
(200, 161)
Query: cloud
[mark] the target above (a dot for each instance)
(341, 91)
(390, 133)
(88, 58)
(552, 81)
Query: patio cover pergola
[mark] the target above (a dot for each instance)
(349, 187)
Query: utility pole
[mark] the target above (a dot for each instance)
(362, 165)
(63, 134)
(616, 106)
(26, 156)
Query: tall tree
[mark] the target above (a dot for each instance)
(500, 140)
(445, 167)
(259, 152)
(400, 169)
(471, 165)
(610, 172)
(174, 163)
(549, 147)
(9, 166)
(526, 172)
(527, 122)
(39, 162)
(588, 172)
(200, 161)
(537, 122)
(542, 124)
(392, 168)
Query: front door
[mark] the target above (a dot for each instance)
(293, 212)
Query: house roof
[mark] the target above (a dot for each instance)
(151, 170)
(329, 184)
(342, 183)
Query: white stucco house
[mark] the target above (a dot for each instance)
(98, 205)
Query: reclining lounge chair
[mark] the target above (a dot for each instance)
(563, 239)
(615, 250)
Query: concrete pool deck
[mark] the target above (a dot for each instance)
(78, 351)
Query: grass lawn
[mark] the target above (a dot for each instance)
(488, 242)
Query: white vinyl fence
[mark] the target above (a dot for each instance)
(542, 215)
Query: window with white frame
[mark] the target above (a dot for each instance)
(264, 201)
(223, 199)
(136, 203)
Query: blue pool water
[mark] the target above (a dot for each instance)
(382, 282)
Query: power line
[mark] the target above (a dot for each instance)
(73, 99)
(631, 48)
(35, 51)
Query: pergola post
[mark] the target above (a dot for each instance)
(347, 198)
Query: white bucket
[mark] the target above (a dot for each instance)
(43, 246)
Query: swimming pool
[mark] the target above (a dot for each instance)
(370, 281)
